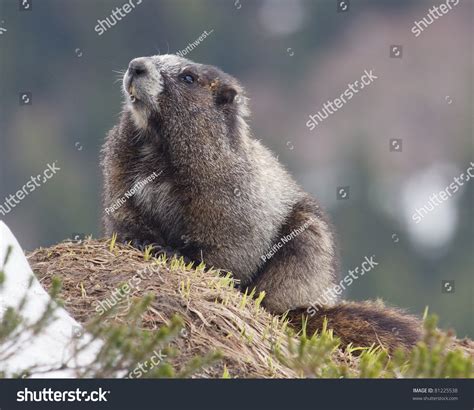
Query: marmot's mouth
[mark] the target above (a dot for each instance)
(132, 92)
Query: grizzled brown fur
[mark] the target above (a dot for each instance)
(360, 322)
(222, 197)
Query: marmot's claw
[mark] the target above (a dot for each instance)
(158, 250)
(170, 253)
(142, 245)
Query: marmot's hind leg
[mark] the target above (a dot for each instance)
(303, 269)
(303, 264)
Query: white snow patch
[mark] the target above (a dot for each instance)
(54, 345)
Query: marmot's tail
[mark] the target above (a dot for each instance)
(363, 324)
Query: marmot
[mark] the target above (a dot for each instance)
(221, 197)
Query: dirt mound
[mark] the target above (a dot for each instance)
(97, 275)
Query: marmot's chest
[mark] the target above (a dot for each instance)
(155, 197)
(221, 214)
(158, 202)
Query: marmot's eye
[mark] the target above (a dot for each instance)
(187, 78)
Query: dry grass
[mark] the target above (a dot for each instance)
(216, 315)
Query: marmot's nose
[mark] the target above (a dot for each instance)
(137, 67)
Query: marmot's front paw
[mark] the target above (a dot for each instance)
(158, 250)
(141, 244)
(169, 252)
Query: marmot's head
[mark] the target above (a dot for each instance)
(177, 92)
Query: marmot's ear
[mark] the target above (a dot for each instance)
(225, 94)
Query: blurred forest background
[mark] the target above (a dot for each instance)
(291, 56)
